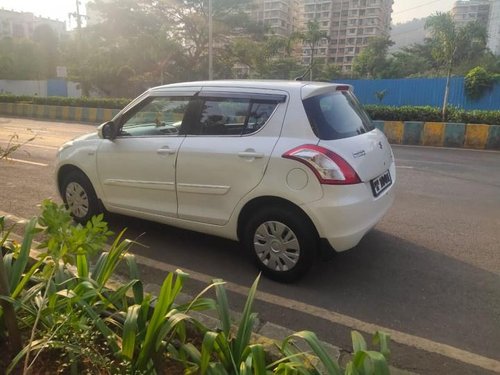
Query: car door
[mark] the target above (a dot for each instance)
(137, 169)
(225, 155)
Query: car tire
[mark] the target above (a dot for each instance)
(79, 197)
(282, 241)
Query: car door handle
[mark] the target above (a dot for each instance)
(165, 151)
(251, 155)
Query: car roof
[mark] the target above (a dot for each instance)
(307, 86)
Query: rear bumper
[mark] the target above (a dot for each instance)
(346, 213)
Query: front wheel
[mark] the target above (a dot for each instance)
(283, 242)
(79, 197)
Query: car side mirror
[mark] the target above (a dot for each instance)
(106, 130)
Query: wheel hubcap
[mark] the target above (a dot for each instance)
(276, 246)
(77, 199)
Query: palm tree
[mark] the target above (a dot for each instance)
(452, 44)
(311, 37)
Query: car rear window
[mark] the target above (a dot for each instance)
(337, 115)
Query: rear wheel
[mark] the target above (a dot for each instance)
(283, 242)
(80, 197)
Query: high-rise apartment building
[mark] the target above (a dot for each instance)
(471, 10)
(494, 27)
(280, 16)
(349, 25)
(23, 24)
(487, 12)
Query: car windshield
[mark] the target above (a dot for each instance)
(337, 115)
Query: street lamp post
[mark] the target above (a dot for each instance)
(210, 42)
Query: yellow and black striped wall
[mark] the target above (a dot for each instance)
(441, 134)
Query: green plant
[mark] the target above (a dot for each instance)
(65, 302)
(380, 95)
(112, 103)
(6, 307)
(478, 81)
(226, 351)
(49, 288)
(426, 113)
(13, 145)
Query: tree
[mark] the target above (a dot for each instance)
(452, 44)
(311, 38)
(143, 43)
(18, 59)
(414, 60)
(372, 60)
(47, 47)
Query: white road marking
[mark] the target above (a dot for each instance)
(404, 167)
(331, 316)
(28, 162)
(437, 148)
(32, 145)
(31, 130)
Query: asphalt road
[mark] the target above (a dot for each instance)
(430, 269)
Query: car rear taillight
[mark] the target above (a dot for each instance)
(329, 168)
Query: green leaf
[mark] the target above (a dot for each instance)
(107, 264)
(22, 259)
(82, 266)
(222, 306)
(130, 331)
(382, 340)
(27, 276)
(312, 340)
(246, 324)
(135, 275)
(258, 359)
(168, 293)
(207, 348)
(358, 342)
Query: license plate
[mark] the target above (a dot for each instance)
(381, 183)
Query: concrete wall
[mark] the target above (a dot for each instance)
(53, 87)
(49, 112)
(31, 88)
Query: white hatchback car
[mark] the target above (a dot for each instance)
(285, 167)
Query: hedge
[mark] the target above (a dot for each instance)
(377, 112)
(432, 114)
(67, 102)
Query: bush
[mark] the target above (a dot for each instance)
(409, 113)
(478, 82)
(67, 102)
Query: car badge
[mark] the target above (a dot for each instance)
(359, 154)
(380, 145)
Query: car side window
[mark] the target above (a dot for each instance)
(258, 116)
(156, 116)
(233, 116)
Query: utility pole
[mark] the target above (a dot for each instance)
(78, 16)
(210, 43)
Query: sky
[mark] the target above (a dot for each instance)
(403, 10)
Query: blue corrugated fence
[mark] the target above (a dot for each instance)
(421, 92)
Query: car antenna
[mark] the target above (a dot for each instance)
(300, 78)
